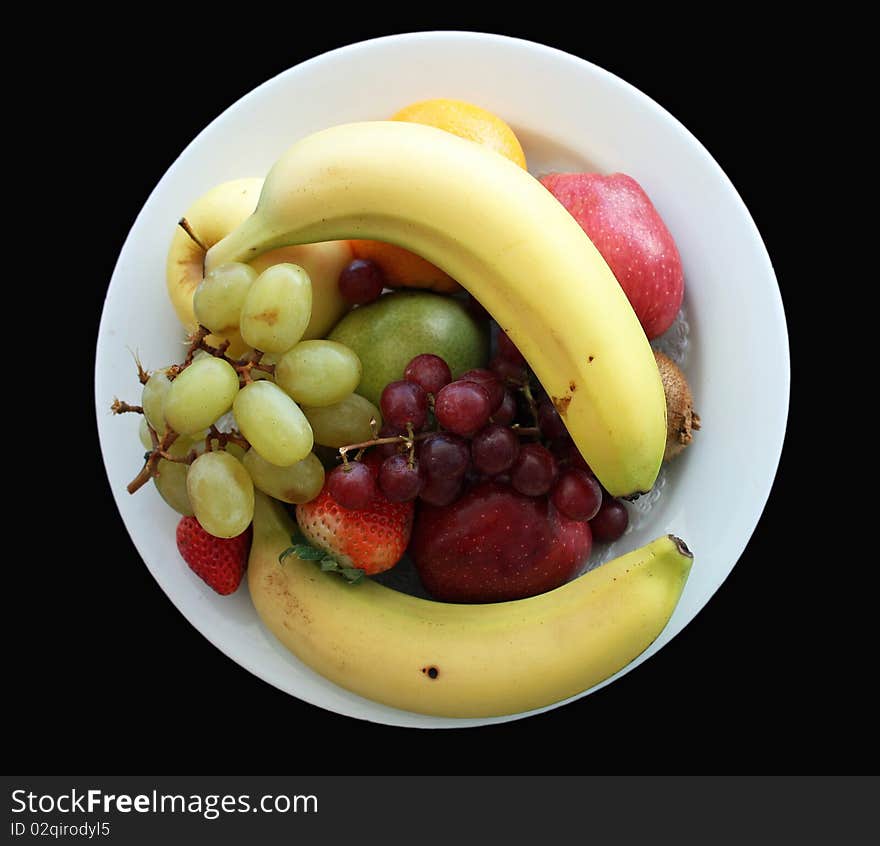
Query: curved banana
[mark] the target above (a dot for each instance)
(495, 229)
(463, 660)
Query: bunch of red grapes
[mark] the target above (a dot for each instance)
(441, 435)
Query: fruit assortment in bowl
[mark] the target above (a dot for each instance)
(386, 365)
(547, 242)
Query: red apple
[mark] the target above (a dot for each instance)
(495, 544)
(631, 236)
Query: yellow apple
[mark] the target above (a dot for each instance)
(211, 218)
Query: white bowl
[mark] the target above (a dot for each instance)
(570, 115)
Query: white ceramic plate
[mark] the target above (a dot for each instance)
(570, 115)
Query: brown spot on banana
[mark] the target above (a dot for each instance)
(562, 404)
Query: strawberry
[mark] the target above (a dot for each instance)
(371, 539)
(220, 562)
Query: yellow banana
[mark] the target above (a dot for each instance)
(495, 229)
(463, 660)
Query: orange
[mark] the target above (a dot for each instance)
(467, 121)
(402, 268)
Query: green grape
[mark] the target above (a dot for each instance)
(277, 308)
(236, 451)
(200, 394)
(318, 372)
(346, 422)
(233, 449)
(144, 433)
(171, 478)
(218, 300)
(273, 423)
(153, 400)
(221, 493)
(267, 358)
(301, 482)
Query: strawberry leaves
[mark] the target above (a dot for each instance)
(302, 549)
(352, 574)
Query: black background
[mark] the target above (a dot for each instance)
(105, 671)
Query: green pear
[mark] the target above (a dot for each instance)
(388, 333)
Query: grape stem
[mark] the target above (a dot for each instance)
(159, 452)
(120, 407)
(151, 465)
(224, 438)
(409, 440)
(143, 375)
(391, 439)
(197, 342)
(530, 399)
(242, 366)
(191, 456)
(411, 458)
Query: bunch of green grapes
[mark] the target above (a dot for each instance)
(294, 395)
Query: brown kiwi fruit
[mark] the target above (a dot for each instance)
(681, 419)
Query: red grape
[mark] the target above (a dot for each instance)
(462, 407)
(493, 385)
(428, 371)
(404, 402)
(508, 350)
(577, 495)
(506, 412)
(494, 449)
(361, 282)
(352, 485)
(533, 471)
(610, 521)
(440, 491)
(400, 481)
(565, 451)
(444, 456)
(549, 421)
(476, 308)
(509, 371)
(560, 447)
